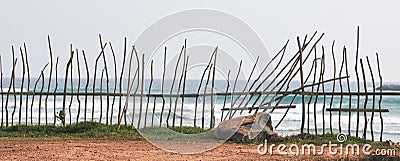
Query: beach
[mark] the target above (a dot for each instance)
(87, 149)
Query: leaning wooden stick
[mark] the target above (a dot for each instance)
(333, 86)
(79, 86)
(55, 94)
(233, 91)
(212, 121)
(183, 90)
(137, 73)
(365, 102)
(33, 98)
(115, 84)
(29, 84)
(71, 86)
(13, 88)
(65, 86)
(380, 95)
(204, 97)
(9, 89)
(50, 74)
(148, 93)
(323, 89)
(341, 92)
(162, 87)
(101, 95)
(141, 94)
(358, 82)
(373, 99)
(154, 111)
(87, 83)
(22, 86)
(120, 84)
(128, 87)
(226, 94)
(198, 89)
(172, 86)
(179, 87)
(107, 86)
(349, 90)
(94, 78)
(40, 97)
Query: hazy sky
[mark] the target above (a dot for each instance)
(80, 22)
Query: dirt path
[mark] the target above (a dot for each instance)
(81, 149)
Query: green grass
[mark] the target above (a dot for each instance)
(82, 129)
(95, 130)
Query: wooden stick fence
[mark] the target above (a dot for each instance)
(251, 97)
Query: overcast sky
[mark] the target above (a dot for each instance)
(79, 22)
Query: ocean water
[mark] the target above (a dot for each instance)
(290, 124)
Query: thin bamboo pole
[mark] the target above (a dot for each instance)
(162, 87)
(365, 102)
(380, 95)
(333, 86)
(22, 86)
(373, 99)
(86, 85)
(54, 95)
(172, 86)
(50, 76)
(79, 86)
(149, 92)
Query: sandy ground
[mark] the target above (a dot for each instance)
(83, 149)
